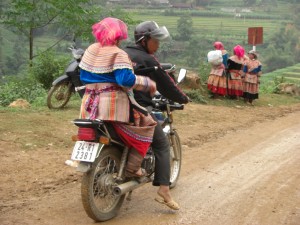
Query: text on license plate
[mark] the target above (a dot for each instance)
(85, 151)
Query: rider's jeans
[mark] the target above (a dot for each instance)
(161, 149)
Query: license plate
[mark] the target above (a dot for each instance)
(85, 151)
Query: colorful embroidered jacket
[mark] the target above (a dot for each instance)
(108, 75)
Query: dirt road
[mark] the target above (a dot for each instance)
(236, 170)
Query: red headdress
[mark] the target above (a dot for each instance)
(239, 51)
(219, 45)
(109, 30)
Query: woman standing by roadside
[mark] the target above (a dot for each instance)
(252, 70)
(216, 82)
(235, 69)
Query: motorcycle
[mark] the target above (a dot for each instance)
(67, 84)
(102, 157)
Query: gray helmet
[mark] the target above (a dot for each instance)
(150, 29)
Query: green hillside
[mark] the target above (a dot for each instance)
(216, 21)
(223, 28)
(8, 38)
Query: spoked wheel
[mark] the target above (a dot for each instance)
(59, 95)
(175, 163)
(97, 195)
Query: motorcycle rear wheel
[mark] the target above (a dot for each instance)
(59, 95)
(175, 164)
(98, 199)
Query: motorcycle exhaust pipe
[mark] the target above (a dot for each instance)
(129, 186)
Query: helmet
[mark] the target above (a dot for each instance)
(150, 29)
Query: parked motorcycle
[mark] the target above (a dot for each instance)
(69, 83)
(102, 157)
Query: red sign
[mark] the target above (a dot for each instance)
(255, 35)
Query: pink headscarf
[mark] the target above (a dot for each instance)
(109, 30)
(239, 51)
(219, 45)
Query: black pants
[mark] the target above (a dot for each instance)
(161, 149)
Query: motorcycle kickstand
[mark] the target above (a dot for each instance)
(128, 198)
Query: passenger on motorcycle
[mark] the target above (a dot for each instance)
(147, 38)
(107, 72)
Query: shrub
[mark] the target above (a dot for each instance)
(276, 62)
(204, 70)
(47, 67)
(24, 88)
(196, 96)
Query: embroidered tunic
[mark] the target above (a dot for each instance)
(216, 82)
(235, 70)
(252, 70)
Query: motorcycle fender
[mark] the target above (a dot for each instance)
(167, 129)
(72, 66)
(84, 167)
(60, 79)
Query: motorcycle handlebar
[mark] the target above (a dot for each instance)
(164, 66)
(177, 107)
(163, 106)
(143, 71)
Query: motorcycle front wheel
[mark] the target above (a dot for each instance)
(97, 195)
(175, 163)
(59, 95)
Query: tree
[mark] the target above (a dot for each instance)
(165, 49)
(26, 17)
(46, 69)
(2, 4)
(296, 16)
(185, 27)
(249, 2)
(1, 56)
(282, 49)
(202, 2)
(277, 62)
(193, 52)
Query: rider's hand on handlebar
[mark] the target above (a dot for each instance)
(188, 99)
(152, 88)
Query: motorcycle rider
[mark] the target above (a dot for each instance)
(147, 37)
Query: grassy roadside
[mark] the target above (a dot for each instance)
(40, 128)
(271, 100)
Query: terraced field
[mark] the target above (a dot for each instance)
(216, 22)
(293, 73)
(226, 28)
(290, 74)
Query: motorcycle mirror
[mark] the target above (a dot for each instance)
(181, 75)
(156, 93)
(74, 41)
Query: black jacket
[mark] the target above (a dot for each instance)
(164, 83)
